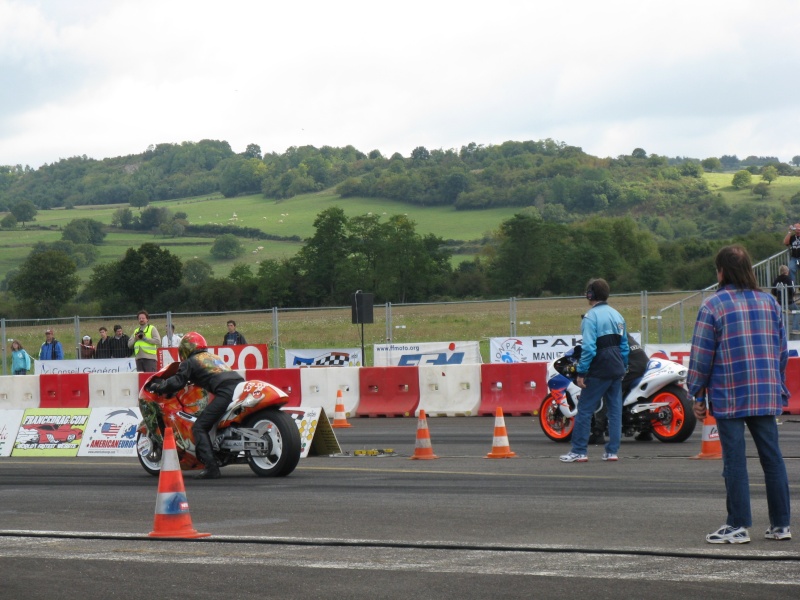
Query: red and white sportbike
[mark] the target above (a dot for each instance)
(656, 403)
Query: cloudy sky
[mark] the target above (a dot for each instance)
(679, 78)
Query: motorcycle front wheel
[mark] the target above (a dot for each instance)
(676, 422)
(280, 432)
(553, 422)
(144, 450)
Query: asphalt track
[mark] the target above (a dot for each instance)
(461, 526)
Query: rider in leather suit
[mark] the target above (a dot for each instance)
(209, 372)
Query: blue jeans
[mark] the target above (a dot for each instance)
(595, 390)
(734, 469)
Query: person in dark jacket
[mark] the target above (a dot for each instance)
(103, 347)
(233, 337)
(209, 372)
(784, 282)
(119, 344)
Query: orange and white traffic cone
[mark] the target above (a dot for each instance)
(423, 449)
(711, 448)
(172, 518)
(339, 416)
(500, 447)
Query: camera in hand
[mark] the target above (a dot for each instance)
(140, 335)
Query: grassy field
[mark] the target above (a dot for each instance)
(781, 189)
(292, 217)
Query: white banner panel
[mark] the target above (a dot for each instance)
(542, 348)
(324, 357)
(427, 353)
(101, 365)
(111, 431)
(9, 426)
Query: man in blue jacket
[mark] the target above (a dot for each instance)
(604, 360)
(51, 349)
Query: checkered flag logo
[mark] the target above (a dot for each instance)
(333, 359)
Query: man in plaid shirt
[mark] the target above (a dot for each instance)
(738, 363)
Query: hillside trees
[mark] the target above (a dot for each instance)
(45, 282)
(24, 211)
(741, 179)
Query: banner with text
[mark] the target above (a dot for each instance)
(51, 431)
(111, 432)
(238, 358)
(99, 365)
(321, 357)
(427, 353)
(543, 348)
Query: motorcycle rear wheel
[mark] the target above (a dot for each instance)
(281, 431)
(679, 421)
(553, 422)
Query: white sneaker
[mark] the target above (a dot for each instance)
(610, 456)
(572, 457)
(778, 533)
(729, 535)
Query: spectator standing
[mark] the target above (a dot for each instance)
(784, 282)
(119, 343)
(233, 337)
(51, 349)
(145, 341)
(604, 360)
(86, 348)
(792, 240)
(103, 347)
(738, 363)
(20, 360)
(172, 339)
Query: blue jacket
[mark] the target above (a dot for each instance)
(51, 351)
(20, 360)
(604, 348)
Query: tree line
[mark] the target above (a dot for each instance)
(526, 257)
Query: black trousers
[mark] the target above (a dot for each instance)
(206, 421)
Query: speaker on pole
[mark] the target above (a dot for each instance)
(362, 308)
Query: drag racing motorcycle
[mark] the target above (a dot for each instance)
(656, 403)
(254, 429)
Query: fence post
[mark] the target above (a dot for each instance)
(388, 329)
(644, 326)
(78, 338)
(512, 309)
(3, 333)
(276, 360)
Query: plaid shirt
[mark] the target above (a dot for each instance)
(739, 354)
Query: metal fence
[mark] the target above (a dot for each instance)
(663, 317)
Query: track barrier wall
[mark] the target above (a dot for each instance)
(445, 390)
(388, 391)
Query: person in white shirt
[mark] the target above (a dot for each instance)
(172, 339)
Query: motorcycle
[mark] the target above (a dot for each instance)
(253, 428)
(657, 402)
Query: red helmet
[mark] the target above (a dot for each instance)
(191, 343)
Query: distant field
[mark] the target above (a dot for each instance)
(293, 217)
(781, 189)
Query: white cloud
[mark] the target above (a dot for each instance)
(678, 78)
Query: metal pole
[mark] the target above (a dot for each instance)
(3, 333)
(276, 355)
(513, 316)
(388, 326)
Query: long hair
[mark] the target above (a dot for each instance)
(736, 267)
(19, 345)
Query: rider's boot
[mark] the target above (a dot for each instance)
(644, 436)
(205, 455)
(597, 437)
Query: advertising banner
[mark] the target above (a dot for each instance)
(9, 426)
(51, 431)
(99, 365)
(427, 353)
(238, 358)
(542, 348)
(111, 432)
(321, 357)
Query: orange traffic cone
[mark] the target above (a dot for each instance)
(423, 449)
(339, 416)
(500, 447)
(172, 518)
(711, 447)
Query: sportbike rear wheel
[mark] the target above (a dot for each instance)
(555, 425)
(675, 422)
(280, 432)
(149, 458)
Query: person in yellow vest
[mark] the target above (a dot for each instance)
(145, 341)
